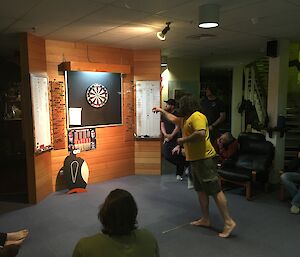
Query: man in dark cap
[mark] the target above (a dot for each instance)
(171, 132)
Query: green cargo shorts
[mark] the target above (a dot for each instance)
(205, 176)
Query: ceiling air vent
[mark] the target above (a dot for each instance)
(200, 36)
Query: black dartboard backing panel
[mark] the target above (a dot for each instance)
(110, 113)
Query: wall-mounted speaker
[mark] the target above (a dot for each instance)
(272, 48)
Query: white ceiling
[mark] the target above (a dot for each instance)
(245, 25)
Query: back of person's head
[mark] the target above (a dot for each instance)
(118, 213)
(188, 105)
(226, 139)
(229, 137)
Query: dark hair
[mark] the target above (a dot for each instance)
(212, 88)
(188, 105)
(230, 139)
(118, 213)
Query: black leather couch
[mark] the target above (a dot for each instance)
(252, 162)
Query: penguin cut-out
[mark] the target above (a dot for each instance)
(76, 173)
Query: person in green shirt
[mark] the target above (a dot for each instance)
(120, 236)
(201, 154)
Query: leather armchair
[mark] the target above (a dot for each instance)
(253, 162)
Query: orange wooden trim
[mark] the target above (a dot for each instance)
(92, 66)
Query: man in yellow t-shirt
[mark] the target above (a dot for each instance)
(200, 153)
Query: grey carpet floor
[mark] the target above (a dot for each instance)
(264, 226)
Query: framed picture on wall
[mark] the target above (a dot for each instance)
(93, 99)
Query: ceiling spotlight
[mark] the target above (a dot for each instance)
(162, 34)
(208, 16)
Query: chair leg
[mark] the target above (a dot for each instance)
(267, 187)
(248, 190)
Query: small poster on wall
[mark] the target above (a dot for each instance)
(93, 99)
(82, 139)
(75, 116)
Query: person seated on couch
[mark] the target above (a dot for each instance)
(291, 181)
(120, 236)
(226, 147)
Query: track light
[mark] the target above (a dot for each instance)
(209, 16)
(162, 34)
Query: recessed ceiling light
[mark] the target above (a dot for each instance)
(208, 16)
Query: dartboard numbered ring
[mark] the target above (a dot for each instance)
(97, 95)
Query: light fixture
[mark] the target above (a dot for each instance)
(162, 34)
(208, 16)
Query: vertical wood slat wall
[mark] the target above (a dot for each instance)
(33, 60)
(147, 153)
(115, 155)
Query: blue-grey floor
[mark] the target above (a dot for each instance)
(264, 226)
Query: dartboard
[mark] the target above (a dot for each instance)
(97, 95)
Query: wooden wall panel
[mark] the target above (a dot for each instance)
(88, 66)
(42, 165)
(33, 60)
(147, 64)
(36, 54)
(27, 124)
(147, 157)
(147, 153)
(114, 155)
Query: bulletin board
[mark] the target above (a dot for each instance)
(94, 99)
(41, 113)
(147, 96)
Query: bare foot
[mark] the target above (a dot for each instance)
(227, 229)
(16, 236)
(14, 242)
(201, 223)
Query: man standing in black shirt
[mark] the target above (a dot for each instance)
(171, 132)
(214, 110)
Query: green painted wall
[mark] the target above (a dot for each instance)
(184, 77)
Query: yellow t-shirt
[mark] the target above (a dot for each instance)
(200, 148)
